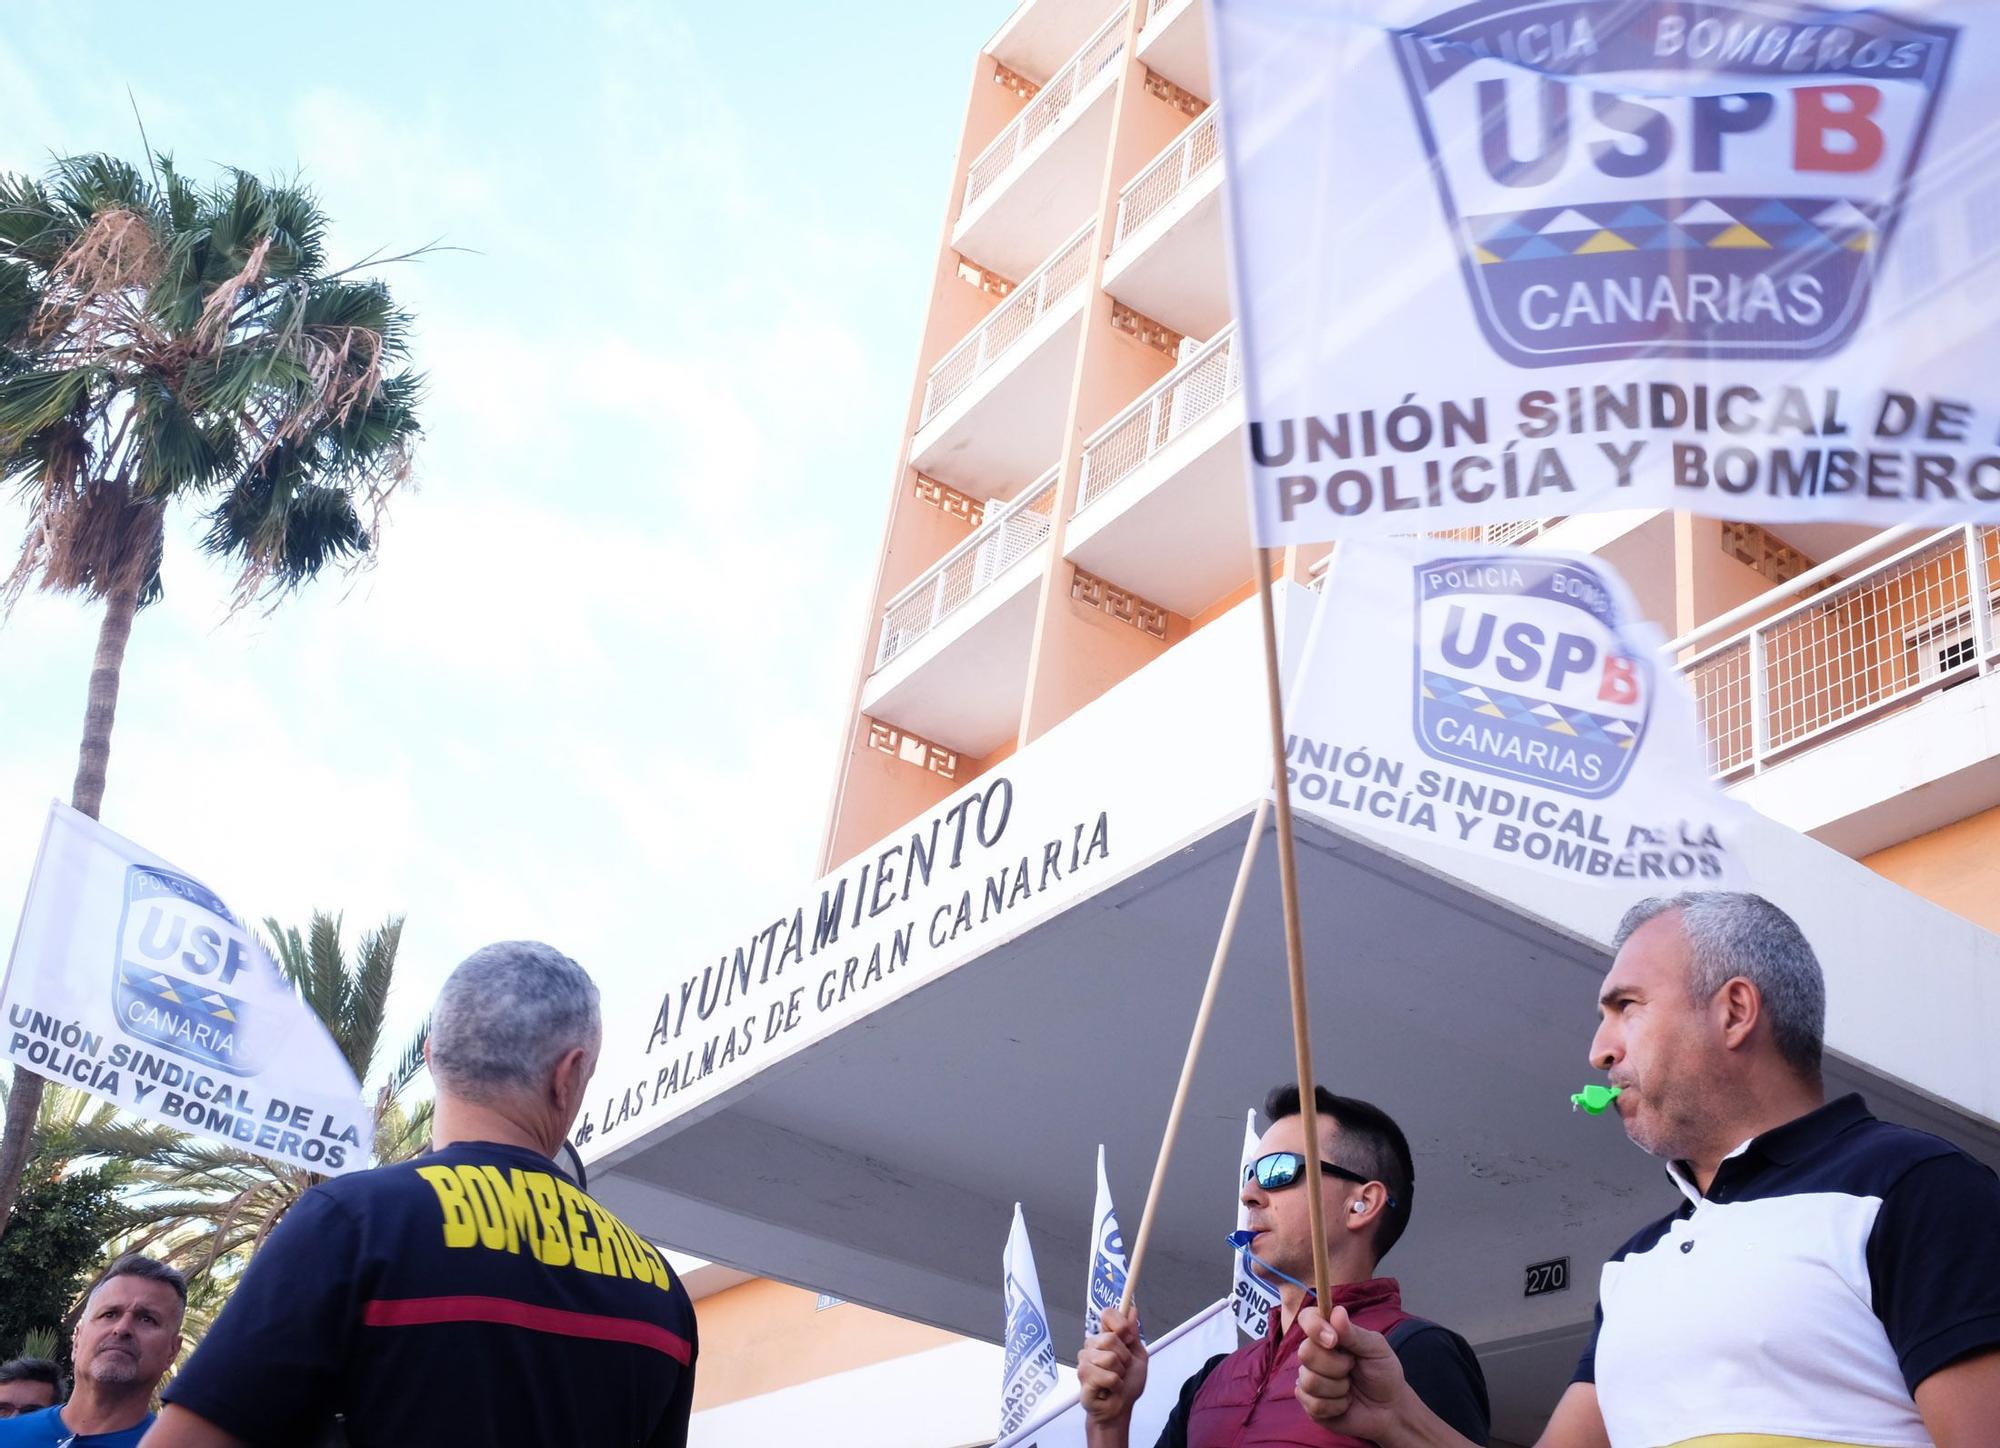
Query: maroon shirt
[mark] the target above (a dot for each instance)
(1246, 1399)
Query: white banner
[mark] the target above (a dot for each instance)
(1251, 1297)
(1522, 258)
(1028, 1376)
(1172, 1361)
(136, 983)
(1507, 701)
(1107, 1254)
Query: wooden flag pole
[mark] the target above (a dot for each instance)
(1201, 1016)
(1295, 963)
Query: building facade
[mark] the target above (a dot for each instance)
(1067, 512)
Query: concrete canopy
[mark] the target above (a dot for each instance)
(876, 1153)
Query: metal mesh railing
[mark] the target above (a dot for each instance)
(1046, 111)
(1914, 623)
(1169, 408)
(1192, 153)
(1499, 535)
(1001, 541)
(1720, 683)
(1519, 531)
(1002, 327)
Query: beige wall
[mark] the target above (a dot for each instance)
(1644, 558)
(761, 1336)
(1709, 581)
(1958, 867)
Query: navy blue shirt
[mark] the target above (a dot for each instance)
(44, 1428)
(470, 1296)
(1832, 1265)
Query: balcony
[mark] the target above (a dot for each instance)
(1038, 179)
(1167, 256)
(951, 663)
(1173, 41)
(1869, 711)
(1040, 35)
(994, 406)
(1161, 507)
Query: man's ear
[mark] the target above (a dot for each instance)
(1366, 1206)
(1738, 1008)
(571, 1076)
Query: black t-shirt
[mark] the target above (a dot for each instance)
(1439, 1365)
(470, 1296)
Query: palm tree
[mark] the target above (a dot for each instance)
(207, 1207)
(162, 343)
(66, 1211)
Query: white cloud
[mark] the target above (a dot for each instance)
(594, 689)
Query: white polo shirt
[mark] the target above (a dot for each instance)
(1834, 1264)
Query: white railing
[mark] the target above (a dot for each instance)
(1499, 535)
(1002, 327)
(1169, 408)
(1046, 111)
(1192, 153)
(1896, 632)
(1156, 6)
(996, 545)
(1519, 531)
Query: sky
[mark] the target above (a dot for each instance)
(594, 689)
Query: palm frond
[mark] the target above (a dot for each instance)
(368, 1000)
(326, 977)
(411, 1061)
(164, 340)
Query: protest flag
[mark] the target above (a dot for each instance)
(1251, 1297)
(133, 981)
(1107, 1255)
(1512, 703)
(1064, 1422)
(1029, 1373)
(1516, 259)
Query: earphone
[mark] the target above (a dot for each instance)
(1358, 1207)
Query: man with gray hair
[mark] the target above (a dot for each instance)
(128, 1333)
(473, 1295)
(1827, 1278)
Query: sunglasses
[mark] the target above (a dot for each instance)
(1276, 1170)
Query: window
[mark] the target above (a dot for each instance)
(1944, 647)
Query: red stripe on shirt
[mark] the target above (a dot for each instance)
(423, 1311)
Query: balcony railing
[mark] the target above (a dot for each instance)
(1497, 535)
(1500, 535)
(1909, 626)
(1198, 148)
(1005, 325)
(1169, 408)
(1046, 111)
(1006, 536)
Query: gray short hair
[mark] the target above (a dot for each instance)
(506, 1015)
(150, 1269)
(1734, 933)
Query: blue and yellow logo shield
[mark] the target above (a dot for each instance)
(178, 978)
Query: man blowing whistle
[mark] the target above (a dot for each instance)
(1246, 1397)
(1826, 1280)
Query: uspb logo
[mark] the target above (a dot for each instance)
(1107, 1266)
(181, 972)
(1521, 672)
(1671, 180)
(1030, 1362)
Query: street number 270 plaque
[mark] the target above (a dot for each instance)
(1547, 1277)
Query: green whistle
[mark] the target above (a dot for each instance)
(1595, 1098)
